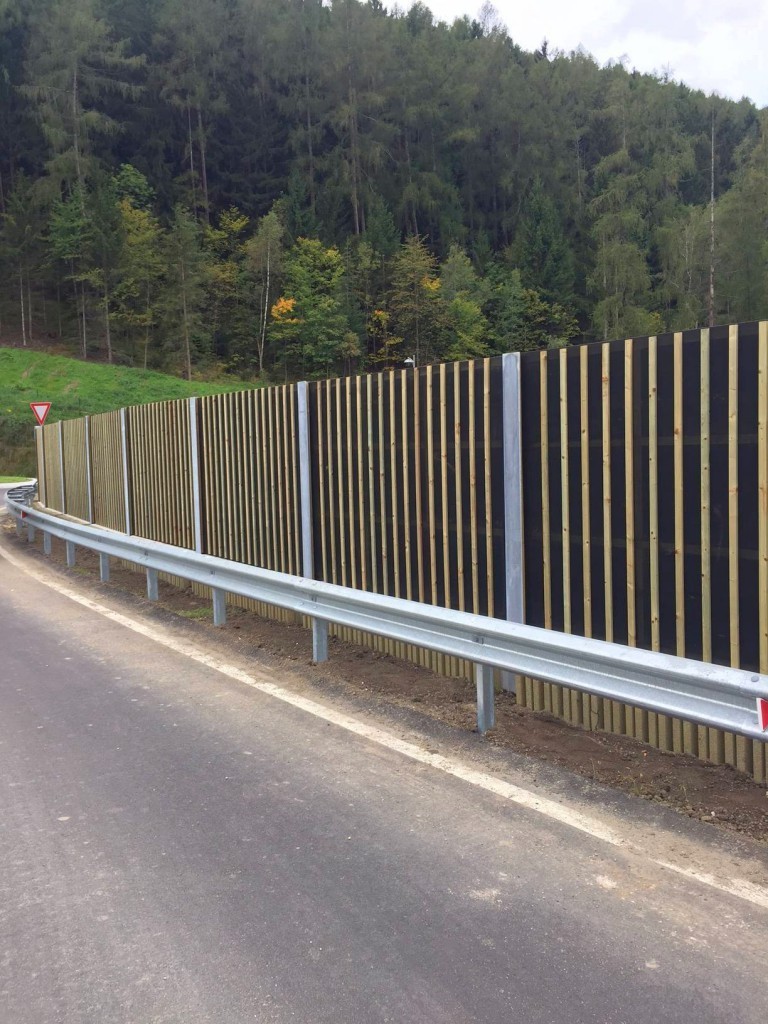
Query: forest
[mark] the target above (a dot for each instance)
(299, 188)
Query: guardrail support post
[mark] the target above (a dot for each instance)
(30, 533)
(152, 592)
(219, 606)
(19, 528)
(70, 544)
(46, 543)
(513, 497)
(104, 567)
(305, 481)
(194, 449)
(319, 640)
(486, 712)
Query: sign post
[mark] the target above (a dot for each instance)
(41, 410)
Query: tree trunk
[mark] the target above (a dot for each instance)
(85, 329)
(263, 338)
(310, 147)
(76, 132)
(23, 321)
(106, 324)
(203, 165)
(191, 161)
(29, 306)
(146, 333)
(187, 347)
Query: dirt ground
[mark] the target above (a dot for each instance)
(716, 794)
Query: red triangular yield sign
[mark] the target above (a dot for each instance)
(40, 409)
(762, 713)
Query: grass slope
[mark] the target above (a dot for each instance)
(74, 388)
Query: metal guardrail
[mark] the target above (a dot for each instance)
(712, 695)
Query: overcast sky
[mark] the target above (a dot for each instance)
(714, 45)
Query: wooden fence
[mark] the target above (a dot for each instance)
(643, 467)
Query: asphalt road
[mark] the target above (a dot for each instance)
(178, 848)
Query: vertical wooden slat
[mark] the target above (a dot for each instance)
(431, 485)
(629, 490)
(474, 526)
(340, 509)
(586, 527)
(733, 493)
(261, 491)
(545, 527)
(653, 487)
(333, 513)
(444, 481)
(352, 484)
(564, 487)
(371, 482)
(607, 526)
(269, 489)
(252, 479)
(706, 557)
(488, 462)
(359, 444)
(383, 490)
(322, 473)
(679, 498)
(457, 425)
(394, 471)
(404, 435)
(419, 510)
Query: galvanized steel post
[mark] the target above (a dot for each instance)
(126, 476)
(70, 546)
(194, 448)
(219, 606)
(319, 640)
(513, 496)
(152, 591)
(486, 712)
(104, 567)
(47, 543)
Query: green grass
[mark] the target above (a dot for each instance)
(13, 479)
(75, 388)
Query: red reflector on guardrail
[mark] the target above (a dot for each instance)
(762, 713)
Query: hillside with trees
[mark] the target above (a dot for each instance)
(296, 188)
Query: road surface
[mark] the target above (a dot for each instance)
(179, 848)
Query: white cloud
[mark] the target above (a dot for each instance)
(713, 45)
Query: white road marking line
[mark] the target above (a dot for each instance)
(742, 889)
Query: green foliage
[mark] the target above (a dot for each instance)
(309, 326)
(161, 163)
(75, 389)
